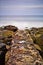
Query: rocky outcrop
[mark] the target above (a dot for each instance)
(25, 47)
(23, 51)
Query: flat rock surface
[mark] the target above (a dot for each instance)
(23, 51)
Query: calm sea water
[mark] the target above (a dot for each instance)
(22, 21)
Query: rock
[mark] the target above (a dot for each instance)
(23, 53)
(7, 56)
(2, 58)
(37, 62)
(3, 51)
(3, 47)
(10, 27)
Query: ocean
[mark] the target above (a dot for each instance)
(22, 21)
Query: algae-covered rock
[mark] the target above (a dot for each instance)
(38, 39)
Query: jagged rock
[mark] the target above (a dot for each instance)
(23, 51)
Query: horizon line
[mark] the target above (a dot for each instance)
(21, 6)
(20, 15)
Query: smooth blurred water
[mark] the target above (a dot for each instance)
(22, 21)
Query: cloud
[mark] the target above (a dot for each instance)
(21, 6)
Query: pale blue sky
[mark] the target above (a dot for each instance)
(21, 7)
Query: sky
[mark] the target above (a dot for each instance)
(21, 7)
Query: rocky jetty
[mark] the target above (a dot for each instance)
(21, 47)
(23, 51)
